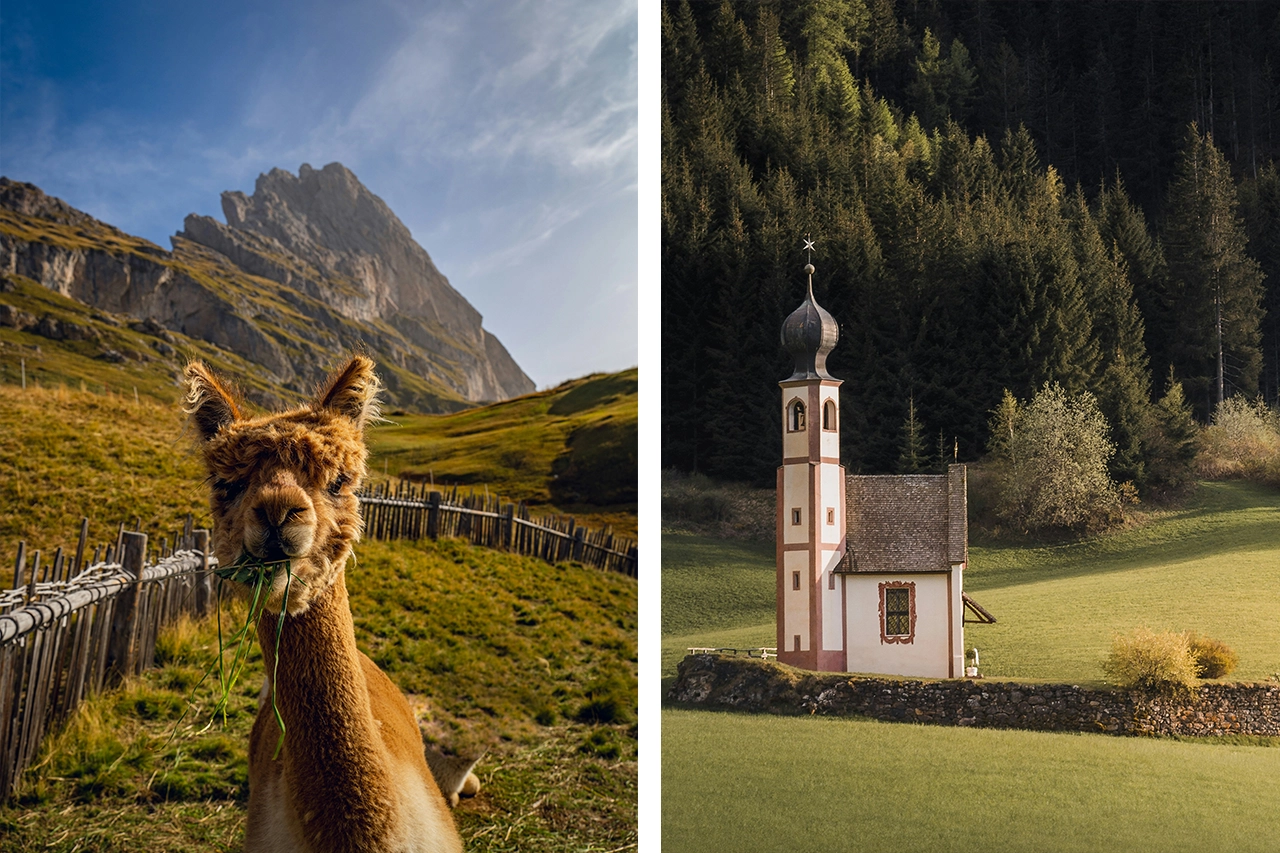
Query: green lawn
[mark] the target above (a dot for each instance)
(738, 782)
(742, 783)
(1212, 567)
(715, 592)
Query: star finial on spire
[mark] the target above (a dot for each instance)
(808, 247)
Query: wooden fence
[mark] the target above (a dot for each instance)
(409, 511)
(79, 624)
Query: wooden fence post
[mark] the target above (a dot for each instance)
(84, 537)
(121, 646)
(19, 564)
(433, 515)
(508, 526)
(204, 578)
(576, 554)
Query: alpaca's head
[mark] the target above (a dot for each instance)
(283, 486)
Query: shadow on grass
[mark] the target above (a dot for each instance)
(1223, 518)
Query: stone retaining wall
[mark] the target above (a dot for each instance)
(755, 685)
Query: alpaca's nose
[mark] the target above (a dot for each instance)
(277, 514)
(283, 522)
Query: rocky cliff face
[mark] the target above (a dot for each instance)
(307, 267)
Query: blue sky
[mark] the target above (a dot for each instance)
(502, 133)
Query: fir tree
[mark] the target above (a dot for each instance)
(1172, 444)
(831, 29)
(1215, 287)
(913, 457)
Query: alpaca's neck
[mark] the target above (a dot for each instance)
(333, 757)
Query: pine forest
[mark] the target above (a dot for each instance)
(1002, 196)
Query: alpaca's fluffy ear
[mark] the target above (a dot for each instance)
(208, 403)
(353, 392)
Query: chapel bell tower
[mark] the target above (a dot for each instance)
(811, 495)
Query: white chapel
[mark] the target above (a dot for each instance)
(870, 568)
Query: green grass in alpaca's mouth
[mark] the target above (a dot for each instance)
(259, 576)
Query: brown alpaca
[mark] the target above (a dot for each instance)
(351, 775)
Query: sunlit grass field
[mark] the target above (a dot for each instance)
(761, 783)
(570, 449)
(1212, 567)
(531, 664)
(737, 782)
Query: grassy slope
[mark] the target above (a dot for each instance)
(484, 642)
(881, 786)
(1213, 566)
(67, 454)
(715, 592)
(504, 651)
(520, 448)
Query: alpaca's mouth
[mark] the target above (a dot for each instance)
(255, 572)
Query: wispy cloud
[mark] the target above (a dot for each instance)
(449, 90)
(502, 133)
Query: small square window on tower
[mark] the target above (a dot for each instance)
(795, 643)
(795, 580)
(795, 515)
(831, 515)
(831, 580)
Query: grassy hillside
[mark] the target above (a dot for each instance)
(1212, 566)
(146, 357)
(870, 786)
(572, 448)
(67, 454)
(530, 664)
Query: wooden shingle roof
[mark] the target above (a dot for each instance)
(907, 523)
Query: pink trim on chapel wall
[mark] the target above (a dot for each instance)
(911, 606)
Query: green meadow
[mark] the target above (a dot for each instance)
(529, 664)
(571, 449)
(1212, 566)
(735, 782)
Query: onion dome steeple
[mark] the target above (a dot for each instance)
(809, 334)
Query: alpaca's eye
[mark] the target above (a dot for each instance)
(228, 490)
(336, 486)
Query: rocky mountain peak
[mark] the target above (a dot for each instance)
(307, 266)
(330, 221)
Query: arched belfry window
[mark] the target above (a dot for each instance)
(795, 417)
(829, 415)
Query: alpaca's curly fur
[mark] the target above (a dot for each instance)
(352, 775)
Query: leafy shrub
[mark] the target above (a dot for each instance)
(1242, 442)
(1145, 660)
(1214, 658)
(1052, 455)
